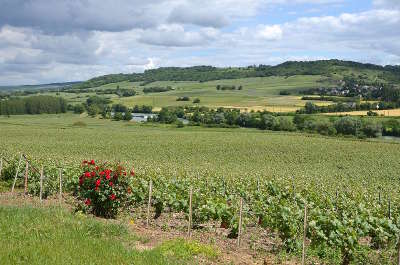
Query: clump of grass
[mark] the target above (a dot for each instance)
(183, 249)
(79, 124)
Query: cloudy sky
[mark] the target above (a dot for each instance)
(44, 41)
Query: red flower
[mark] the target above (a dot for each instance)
(88, 202)
(102, 173)
(97, 168)
(132, 172)
(113, 197)
(111, 184)
(93, 174)
(108, 177)
(96, 188)
(124, 173)
(91, 162)
(98, 182)
(84, 162)
(80, 181)
(129, 190)
(87, 174)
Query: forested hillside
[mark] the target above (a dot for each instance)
(330, 68)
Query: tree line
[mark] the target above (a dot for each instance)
(156, 89)
(311, 108)
(33, 105)
(354, 126)
(229, 87)
(96, 105)
(209, 73)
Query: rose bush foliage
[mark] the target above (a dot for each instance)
(104, 189)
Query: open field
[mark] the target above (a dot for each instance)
(386, 113)
(262, 92)
(258, 93)
(196, 151)
(273, 172)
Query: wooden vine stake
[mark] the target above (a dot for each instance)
(190, 212)
(258, 185)
(379, 197)
(149, 203)
(293, 188)
(26, 177)
(303, 259)
(240, 222)
(41, 185)
(398, 253)
(60, 195)
(1, 166)
(16, 173)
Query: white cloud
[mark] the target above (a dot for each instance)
(58, 16)
(174, 35)
(200, 16)
(59, 40)
(270, 32)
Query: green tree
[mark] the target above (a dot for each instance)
(347, 125)
(118, 116)
(128, 116)
(79, 109)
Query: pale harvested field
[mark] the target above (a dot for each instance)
(267, 108)
(387, 113)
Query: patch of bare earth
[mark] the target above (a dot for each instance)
(256, 247)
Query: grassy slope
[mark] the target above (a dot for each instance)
(54, 236)
(258, 93)
(206, 152)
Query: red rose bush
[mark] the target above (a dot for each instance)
(103, 189)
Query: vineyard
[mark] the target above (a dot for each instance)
(348, 187)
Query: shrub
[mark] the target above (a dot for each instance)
(372, 129)
(284, 93)
(268, 122)
(79, 124)
(347, 125)
(128, 116)
(93, 110)
(118, 116)
(300, 121)
(156, 89)
(185, 98)
(103, 190)
(79, 109)
(284, 124)
(325, 128)
(196, 100)
(391, 127)
(310, 108)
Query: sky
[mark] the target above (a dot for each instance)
(45, 41)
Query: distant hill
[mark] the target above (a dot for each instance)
(38, 87)
(335, 69)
